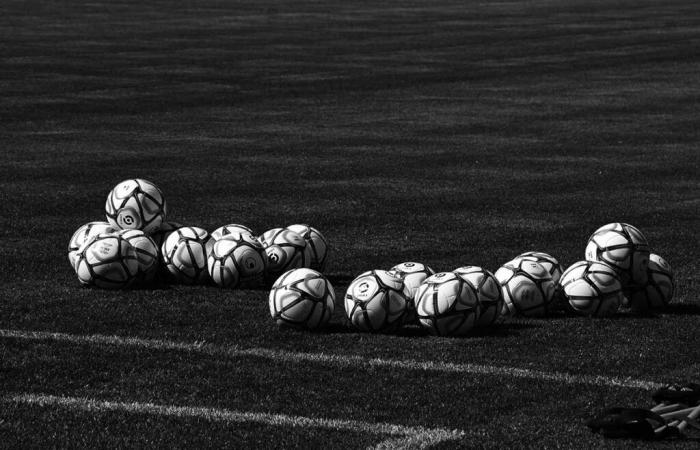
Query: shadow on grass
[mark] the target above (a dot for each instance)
(506, 329)
(500, 330)
(340, 279)
(167, 284)
(156, 285)
(346, 328)
(683, 309)
(680, 309)
(415, 331)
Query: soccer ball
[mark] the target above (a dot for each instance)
(446, 305)
(107, 261)
(185, 254)
(527, 288)
(592, 288)
(266, 238)
(231, 228)
(487, 290)
(548, 261)
(83, 234)
(302, 298)
(285, 250)
(316, 242)
(146, 254)
(554, 268)
(376, 301)
(623, 247)
(412, 274)
(237, 259)
(658, 291)
(161, 234)
(136, 204)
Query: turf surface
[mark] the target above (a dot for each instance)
(450, 133)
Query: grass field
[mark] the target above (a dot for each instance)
(446, 132)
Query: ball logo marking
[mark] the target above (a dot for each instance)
(276, 256)
(105, 248)
(128, 219)
(365, 289)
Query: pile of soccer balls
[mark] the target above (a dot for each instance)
(619, 271)
(136, 244)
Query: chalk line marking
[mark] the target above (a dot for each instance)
(341, 361)
(399, 436)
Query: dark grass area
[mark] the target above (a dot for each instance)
(450, 133)
(491, 409)
(418, 398)
(129, 430)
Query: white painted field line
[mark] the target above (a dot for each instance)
(344, 361)
(399, 436)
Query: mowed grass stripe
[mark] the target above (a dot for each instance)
(341, 361)
(400, 436)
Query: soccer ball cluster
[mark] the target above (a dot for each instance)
(120, 251)
(620, 270)
(136, 245)
(445, 303)
(238, 258)
(456, 302)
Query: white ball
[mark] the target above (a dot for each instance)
(412, 274)
(548, 261)
(185, 254)
(446, 305)
(285, 250)
(658, 291)
(146, 254)
(302, 298)
(266, 238)
(623, 247)
(136, 204)
(487, 290)
(527, 288)
(316, 242)
(83, 234)
(107, 261)
(237, 260)
(592, 288)
(376, 301)
(232, 228)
